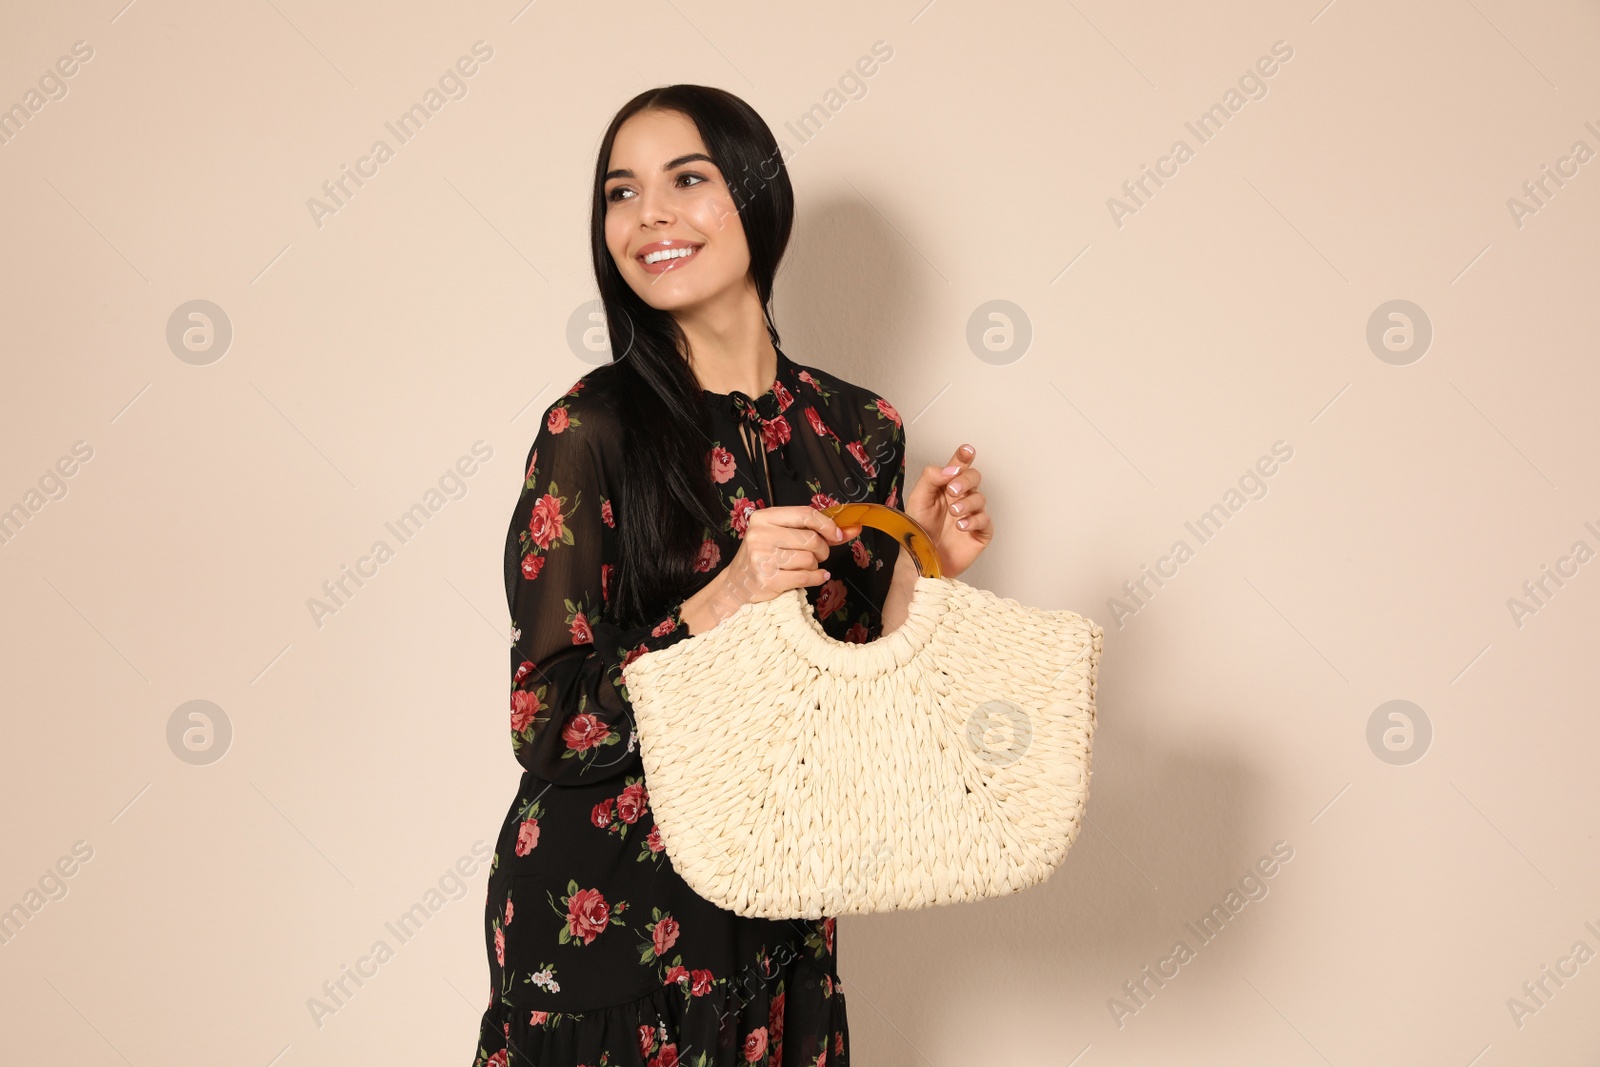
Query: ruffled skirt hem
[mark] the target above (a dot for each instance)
(791, 1015)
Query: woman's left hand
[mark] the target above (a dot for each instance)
(947, 503)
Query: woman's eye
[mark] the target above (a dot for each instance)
(616, 193)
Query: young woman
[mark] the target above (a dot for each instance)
(663, 491)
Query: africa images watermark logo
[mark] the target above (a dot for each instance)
(1251, 485)
(1252, 85)
(1537, 592)
(1252, 887)
(337, 592)
(52, 86)
(452, 85)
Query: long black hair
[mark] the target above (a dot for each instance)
(667, 496)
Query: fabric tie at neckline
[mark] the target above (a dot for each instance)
(754, 409)
(760, 410)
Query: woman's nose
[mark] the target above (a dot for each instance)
(653, 208)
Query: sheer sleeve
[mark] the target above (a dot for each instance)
(892, 430)
(571, 722)
(883, 437)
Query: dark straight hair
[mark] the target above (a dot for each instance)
(668, 499)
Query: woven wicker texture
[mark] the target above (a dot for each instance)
(795, 776)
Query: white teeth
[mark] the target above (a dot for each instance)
(671, 253)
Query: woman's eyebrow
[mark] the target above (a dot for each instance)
(624, 172)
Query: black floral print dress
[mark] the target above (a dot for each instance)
(599, 954)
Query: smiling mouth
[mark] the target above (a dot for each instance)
(663, 260)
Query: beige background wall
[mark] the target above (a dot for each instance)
(1170, 350)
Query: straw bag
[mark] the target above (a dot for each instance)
(795, 776)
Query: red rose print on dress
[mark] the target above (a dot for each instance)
(579, 628)
(524, 706)
(616, 814)
(774, 432)
(887, 410)
(652, 849)
(818, 427)
(739, 515)
(528, 815)
(662, 931)
(632, 803)
(558, 419)
(664, 934)
(860, 454)
(819, 939)
(701, 982)
(722, 463)
(584, 731)
(586, 913)
(775, 1019)
(709, 556)
(831, 598)
(755, 1044)
(605, 513)
(785, 398)
(531, 566)
(667, 1057)
(546, 523)
(859, 553)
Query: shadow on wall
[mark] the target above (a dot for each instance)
(1168, 829)
(1168, 832)
(847, 286)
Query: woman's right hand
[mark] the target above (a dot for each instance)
(783, 548)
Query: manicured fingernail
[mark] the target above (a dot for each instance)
(955, 487)
(962, 523)
(952, 468)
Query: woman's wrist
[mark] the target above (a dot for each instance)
(897, 603)
(712, 603)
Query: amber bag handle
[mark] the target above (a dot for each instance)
(908, 531)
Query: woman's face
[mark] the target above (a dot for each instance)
(664, 196)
